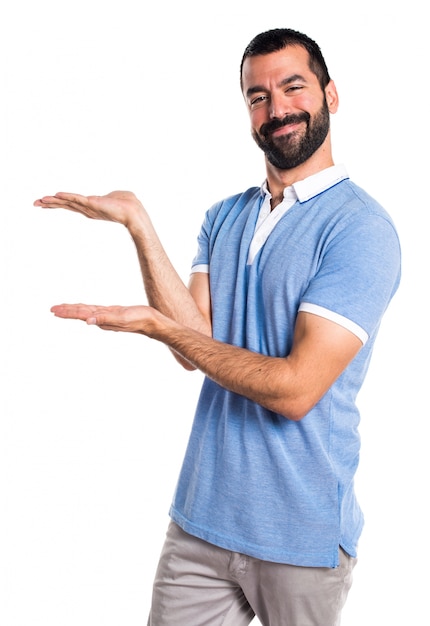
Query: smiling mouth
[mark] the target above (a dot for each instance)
(285, 126)
(286, 129)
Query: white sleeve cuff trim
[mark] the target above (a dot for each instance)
(335, 317)
(200, 268)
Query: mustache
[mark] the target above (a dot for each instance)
(294, 118)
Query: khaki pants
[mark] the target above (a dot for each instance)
(199, 584)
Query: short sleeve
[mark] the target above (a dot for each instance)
(200, 262)
(359, 271)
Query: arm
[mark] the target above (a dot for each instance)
(164, 288)
(199, 289)
(290, 386)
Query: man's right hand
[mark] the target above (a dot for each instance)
(165, 290)
(117, 206)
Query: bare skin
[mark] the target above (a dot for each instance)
(279, 84)
(290, 386)
(164, 288)
(180, 316)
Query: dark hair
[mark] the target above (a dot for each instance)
(279, 38)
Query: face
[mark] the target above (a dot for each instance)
(290, 114)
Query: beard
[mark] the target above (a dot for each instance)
(288, 151)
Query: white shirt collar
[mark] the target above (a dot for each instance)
(313, 185)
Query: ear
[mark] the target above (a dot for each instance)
(332, 97)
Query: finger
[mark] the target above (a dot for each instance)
(93, 207)
(64, 199)
(103, 325)
(48, 201)
(112, 317)
(75, 311)
(52, 202)
(116, 318)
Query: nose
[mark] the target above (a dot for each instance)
(278, 106)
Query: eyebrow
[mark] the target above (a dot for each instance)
(286, 81)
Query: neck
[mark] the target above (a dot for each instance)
(278, 180)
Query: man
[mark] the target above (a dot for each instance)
(286, 295)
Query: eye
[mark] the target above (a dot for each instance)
(293, 88)
(258, 100)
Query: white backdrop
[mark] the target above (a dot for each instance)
(98, 96)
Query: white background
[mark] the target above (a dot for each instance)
(98, 96)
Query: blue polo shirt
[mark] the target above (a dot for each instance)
(253, 481)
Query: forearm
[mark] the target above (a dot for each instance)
(164, 288)
(268, 381)
(289, 386)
